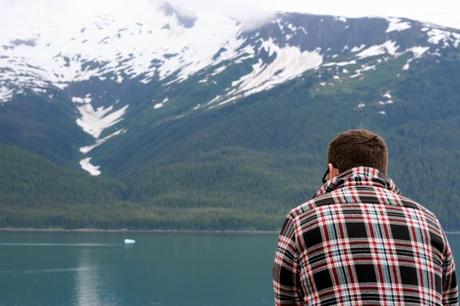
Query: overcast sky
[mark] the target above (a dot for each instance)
(442, 12)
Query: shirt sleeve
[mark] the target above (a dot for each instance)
(449, 279)
(286, 282)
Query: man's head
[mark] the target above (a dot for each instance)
(356, 148)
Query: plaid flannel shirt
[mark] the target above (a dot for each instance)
(358, 242)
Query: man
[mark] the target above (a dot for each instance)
(359, 242)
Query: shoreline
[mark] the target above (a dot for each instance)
(154, 231)
(125, 230)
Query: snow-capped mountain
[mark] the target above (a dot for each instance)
(115, 70)
(156, 117)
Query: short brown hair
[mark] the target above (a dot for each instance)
(356, 148)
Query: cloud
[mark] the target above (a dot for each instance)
(251, 12)
(442, 12)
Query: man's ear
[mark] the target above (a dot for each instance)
(333, 171)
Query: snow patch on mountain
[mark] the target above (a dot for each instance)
(157, 44)
(396, 24)
(5, 94)
(161, 104)
(218, 70)
(340, 64)
(90, 168)
(364, 68)
(169, 46)
(95, 121)
(417, 51)
(357, 49)
(437, 35)
(82, 100)
(289, 63)
(387, 99)
(388, 47)
(87, 149)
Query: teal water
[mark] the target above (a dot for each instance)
(160, 269)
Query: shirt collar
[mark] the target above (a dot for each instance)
(358, 176)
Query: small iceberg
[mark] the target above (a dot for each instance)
(129, 241)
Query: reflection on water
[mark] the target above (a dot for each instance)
(87, 282)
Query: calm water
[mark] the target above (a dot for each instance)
(160, 269)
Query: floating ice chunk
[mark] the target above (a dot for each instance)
(90, 168)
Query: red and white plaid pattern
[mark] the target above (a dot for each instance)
(359, 242)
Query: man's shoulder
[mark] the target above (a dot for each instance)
(311, 205)
(331, 198)
(407, 202)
